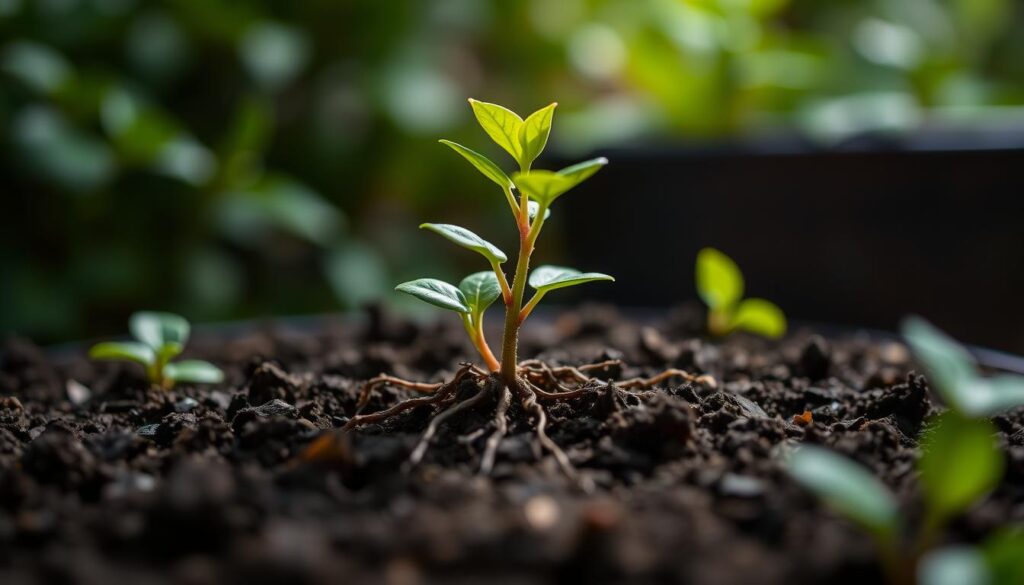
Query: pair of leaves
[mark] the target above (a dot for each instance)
(523, 139)
(474, 294)
(953, 373)
(960, 464)
(720, 285)
(159, 338)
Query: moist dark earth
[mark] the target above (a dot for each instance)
(103, 480)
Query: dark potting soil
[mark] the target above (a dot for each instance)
(103, 480)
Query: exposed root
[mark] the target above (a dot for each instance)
(538, 382)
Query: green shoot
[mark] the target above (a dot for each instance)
(160, 337)
(720, 286)
(959, 465)
(529, 194)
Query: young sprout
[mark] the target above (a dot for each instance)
(530, 195)
(720, 286)
(159, 338)
(960, 461)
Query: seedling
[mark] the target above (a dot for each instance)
(530, 195)
(960, 462)
(160, 337)
(720, 286)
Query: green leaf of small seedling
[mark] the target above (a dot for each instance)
(960, 464)
(958, 565)
(847, 487)
(546, 186)
(719, 280)
(548, 278)
(533, 134)
(437, 293)
(482, 163)
(501, 124)
(132, 351)
(481, 289)
(990, 396)
(532, 207)
(761, 317)
(194, 371)
(158, 330)
(950, 368)
(467, 239)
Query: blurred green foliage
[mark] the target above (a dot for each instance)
(223, 159)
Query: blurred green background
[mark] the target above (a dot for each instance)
(229, 159)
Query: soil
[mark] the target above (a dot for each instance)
(103, 480)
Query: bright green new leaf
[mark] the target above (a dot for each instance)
(548, 278)
(532, 207)
(482, 163)
(158, 330)
(501, 124)
(546, 186)
(761, 317)
(719, 280)
(948, 365)
(533, 134)
(960, 464)
(129, 350)
(194, 371)
(847, 487)
(959, 565)
(467, 239)
(437, 293)
(481, 289)
(580, 172)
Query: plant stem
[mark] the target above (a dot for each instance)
(475, 328)
(510, 341)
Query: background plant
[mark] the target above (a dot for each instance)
(720, 285)
(960, 463)
(159, 338)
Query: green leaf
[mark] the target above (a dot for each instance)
(159, 330)
(950, 368)
(533, 134)
(194, 371)
(467, 239)
(719, 280)
(847, 487)
(761, 317)
(957, 565)
(546, 186)
(501, 124)
(437, 293)
(132, 351)
(989, 396)
(1003, 552)
(481, 289)
(482, 163)
(548, 278)
(532, 207)
(959, 465)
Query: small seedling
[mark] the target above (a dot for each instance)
(960, 462)
(160, 337)
(720, 286)
(530, 195)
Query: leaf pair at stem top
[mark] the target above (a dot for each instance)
(530, 194)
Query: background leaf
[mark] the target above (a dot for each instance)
(949, 367)
(467, 239)
(719, 280)
(482, 163)
(481, 289)
(128, 350)
(960, 565)
(847, 487)
(157, 329)
(1003, 553)
(437, 293)
(195, 371)
(959, 465)
(761, 317)
(501, 124)
(533, 134)
(548, 278)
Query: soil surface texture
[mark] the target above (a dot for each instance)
(104, 480)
